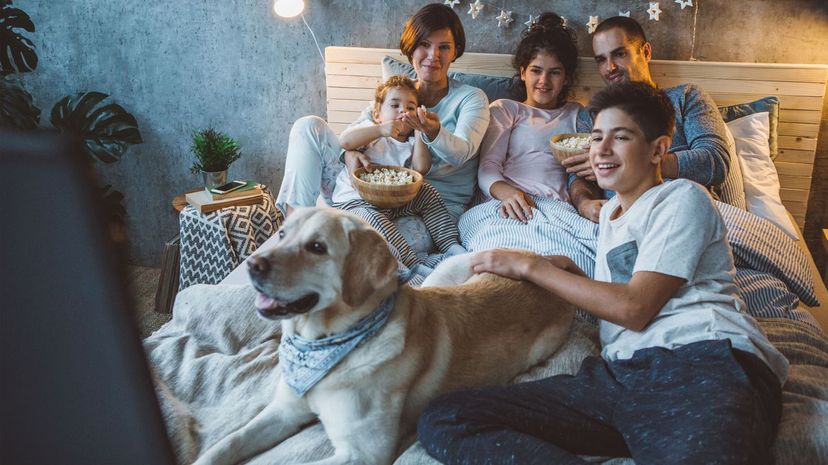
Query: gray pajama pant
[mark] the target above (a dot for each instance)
(703, 403)
(427, 204)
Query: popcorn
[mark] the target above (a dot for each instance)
(388, 177)
(573, 143)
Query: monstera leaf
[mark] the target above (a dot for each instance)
(107, 130)
(17, 53)
(17, 110)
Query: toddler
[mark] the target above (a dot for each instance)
(387, 141)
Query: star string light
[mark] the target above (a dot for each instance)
(654, 11)
(592, 24)
(451, 3)
(475, 9)
(625, 14)
(685, 3)
(504, 18)
(532, 20)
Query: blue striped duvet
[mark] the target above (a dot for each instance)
(772, 272)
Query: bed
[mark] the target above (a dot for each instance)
(215, 362)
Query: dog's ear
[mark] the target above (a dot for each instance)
(369, 265)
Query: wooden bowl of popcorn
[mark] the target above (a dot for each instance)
(569, 144)
(387, 186)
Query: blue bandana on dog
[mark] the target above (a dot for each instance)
(305, 362)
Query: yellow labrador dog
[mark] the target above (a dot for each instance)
(331, 272)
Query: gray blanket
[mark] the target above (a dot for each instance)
(215, 367)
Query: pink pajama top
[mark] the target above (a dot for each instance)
(516, 148)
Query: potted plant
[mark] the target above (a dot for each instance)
(214, 152)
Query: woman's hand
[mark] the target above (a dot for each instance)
(514, 203)
(425, 122)
(355, 159)
(579, 164)
(511, 263)
(397, 129)
(591, 209)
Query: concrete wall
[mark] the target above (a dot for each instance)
(183, 65)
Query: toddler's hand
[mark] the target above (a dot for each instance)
(397, 129)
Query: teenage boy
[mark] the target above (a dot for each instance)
(700, 149)
(684, 376)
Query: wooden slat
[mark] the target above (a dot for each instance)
(796, 208)
(346, 117)
(795, 182)
(359, 82)
(736, 71)
(348, 93)
(338, 127)
(800, 116)
(797, 143)
(792, 102)
(796, 156)
(347, 105)
(353, 69)
(800, 221)
(793, 169)
(798, 129)
(793, 195)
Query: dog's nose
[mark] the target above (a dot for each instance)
(257, 266)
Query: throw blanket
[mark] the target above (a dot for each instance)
(772, 272)
(215, 367)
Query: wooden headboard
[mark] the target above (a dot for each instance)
(352, 73)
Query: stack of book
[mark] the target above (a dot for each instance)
(205, 201)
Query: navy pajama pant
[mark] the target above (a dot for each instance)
(700, 404)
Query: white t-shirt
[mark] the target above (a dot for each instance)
(674, 229)
(382, 151)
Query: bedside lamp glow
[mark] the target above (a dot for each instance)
(288, 8)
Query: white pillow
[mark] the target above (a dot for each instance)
(758, 171)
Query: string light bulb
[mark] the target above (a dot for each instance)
(288, 8)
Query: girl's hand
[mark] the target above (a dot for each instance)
(424, 121)
(579, 164)
(510, 263)
(355, 159)
(514, 203)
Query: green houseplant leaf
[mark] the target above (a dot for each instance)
(17, 109)
(17, 53)
(107, 130)
(214, 151)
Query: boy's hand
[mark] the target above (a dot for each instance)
(579, 164)
(425, 122)
(591, 209)
(514, 203)
(355, 159)
(511, 263)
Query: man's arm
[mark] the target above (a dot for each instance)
(632, 305)
(587, 198)
(705, 156)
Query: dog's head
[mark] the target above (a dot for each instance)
(324, 258)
